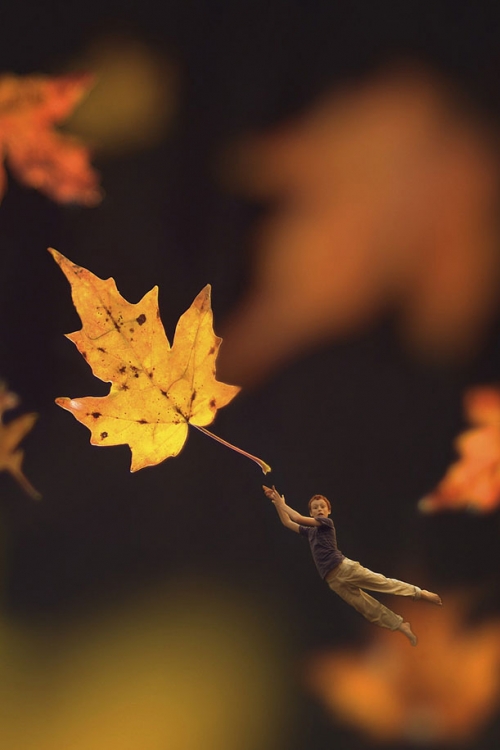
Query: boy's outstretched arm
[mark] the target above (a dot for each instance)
(288, 516)
(279, 504)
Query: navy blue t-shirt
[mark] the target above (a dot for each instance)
(323, 543)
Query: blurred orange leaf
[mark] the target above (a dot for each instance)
(443, 691)
(39, 156)
(383, 199)
(156, 390)
(11, 434)
(473, 481)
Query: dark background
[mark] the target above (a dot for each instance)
(358, 421)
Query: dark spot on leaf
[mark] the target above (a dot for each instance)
(130, 330)
(110, 314)
(212, 403)
(164, 393)
(84, 355)
(122, 369)
(104, 435)
(101, 349)
(193, 396)
(142, 421)
(212, 350)
(124, 387)
(141, 319)
(96, 414)
(136, 374)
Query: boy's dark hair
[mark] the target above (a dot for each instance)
(319, 497)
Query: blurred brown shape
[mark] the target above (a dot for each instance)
(442, 691)
(39, 156)
(384, 198)
(11, 434)
(473, 481)
(134, 98)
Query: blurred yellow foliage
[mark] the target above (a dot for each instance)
(134, 98)
(188, 669)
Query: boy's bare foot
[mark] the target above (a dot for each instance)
(428, 596)
(407, 631)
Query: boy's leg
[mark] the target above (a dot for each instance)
(352, 573)
(372, 609)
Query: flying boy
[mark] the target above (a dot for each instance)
(344, 576)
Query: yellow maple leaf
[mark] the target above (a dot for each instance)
(11, 434)
(156, 389)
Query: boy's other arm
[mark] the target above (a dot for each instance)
(288, 516)
(285, 518)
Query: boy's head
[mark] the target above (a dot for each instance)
(319, 505)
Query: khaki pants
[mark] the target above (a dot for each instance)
(347, 580)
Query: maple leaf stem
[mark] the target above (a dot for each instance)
(265, 467)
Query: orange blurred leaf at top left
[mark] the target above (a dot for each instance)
(37, 154)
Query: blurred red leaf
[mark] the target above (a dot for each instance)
(11, 434)
(442, 691)
(473, 481)
(38, 155)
